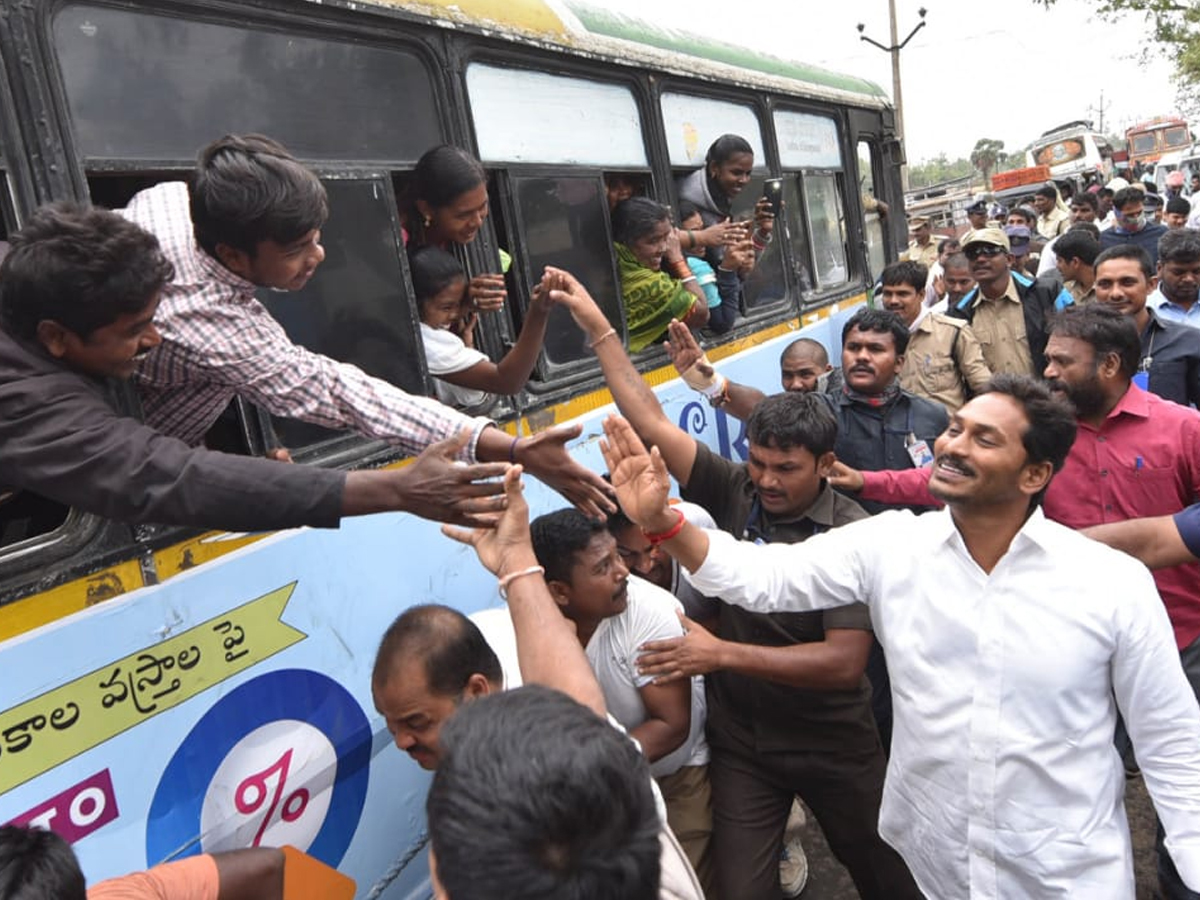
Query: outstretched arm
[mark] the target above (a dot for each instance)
(547, 648)
(693, 365)
(1158, 542)
(633, 396)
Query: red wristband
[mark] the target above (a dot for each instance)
(656, 539)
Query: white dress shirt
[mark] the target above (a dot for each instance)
(1003, 781)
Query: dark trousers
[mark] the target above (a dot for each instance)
(752, 794)
(1170, 883)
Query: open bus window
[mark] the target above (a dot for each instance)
(620, 186)
(355, 308)
(827, 227)
(564, 223)
(873, 209)
(25, 515)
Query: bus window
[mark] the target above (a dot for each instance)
(872, 218)
(809, 149)
(559, 217)
(355, 308)
(522, 116)
(194, 81)
(564, 223)
(691, 125)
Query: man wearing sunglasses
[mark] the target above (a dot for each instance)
(1007, 310)
(1132, 225)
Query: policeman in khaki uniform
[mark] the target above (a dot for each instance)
(944, 362)
(922, 248)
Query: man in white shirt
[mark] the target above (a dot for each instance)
(1012, 643)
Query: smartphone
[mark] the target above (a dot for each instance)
(773, 191)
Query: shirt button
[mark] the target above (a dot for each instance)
(1108, 507)
(1103, 473)
(1101, 439)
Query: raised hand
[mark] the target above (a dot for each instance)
(436, 486)
(764, 219)
(545, 456)
(846, 478)
(685, 353)
(639, 478)
(507, 545)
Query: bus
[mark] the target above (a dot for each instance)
(1075, 148)
(1149, 140)
(168, 692)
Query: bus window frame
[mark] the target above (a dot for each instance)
(759, 315)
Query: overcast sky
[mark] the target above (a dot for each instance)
(1005, 69)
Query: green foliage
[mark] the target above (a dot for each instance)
(938, 170)
(986, 154)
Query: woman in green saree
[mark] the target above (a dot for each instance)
(656, 283)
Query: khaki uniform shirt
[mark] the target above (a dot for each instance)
(1053, 224)
(1078, 294)
(1000, 327)
(926, 255)
(944, 362)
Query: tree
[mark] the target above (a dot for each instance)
(985, 156)
(1173, 23)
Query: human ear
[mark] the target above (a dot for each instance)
(53, 337)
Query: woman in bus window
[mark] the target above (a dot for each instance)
(656, 283)
(464, 376)
(446, 204)
(726, 172)
(722, 288)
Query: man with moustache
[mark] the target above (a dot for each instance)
(1008, 311)
(1170, 359)
(1179, 277)
(1007, 632)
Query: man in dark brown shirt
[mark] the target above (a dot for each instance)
(789, 709)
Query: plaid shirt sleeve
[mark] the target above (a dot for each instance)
(243, 348)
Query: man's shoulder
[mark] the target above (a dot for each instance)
(928, 409)
(941, 320)
(846, 510)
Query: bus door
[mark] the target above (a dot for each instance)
(878, 156)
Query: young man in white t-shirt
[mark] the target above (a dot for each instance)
(614, 616)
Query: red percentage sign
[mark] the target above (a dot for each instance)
(252, 793)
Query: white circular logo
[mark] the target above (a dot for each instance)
(273, 788)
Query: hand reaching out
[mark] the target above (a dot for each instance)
(639, 478)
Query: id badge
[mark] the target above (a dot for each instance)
(1142, 380)
(920, 454)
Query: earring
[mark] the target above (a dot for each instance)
(428, 221)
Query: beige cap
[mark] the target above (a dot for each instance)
(985, 236)
(917, 222)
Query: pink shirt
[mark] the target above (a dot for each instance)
(1144, 460)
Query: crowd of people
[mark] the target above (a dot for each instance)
(886, 612)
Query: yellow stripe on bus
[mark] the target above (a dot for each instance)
(530, 16)
(59, 602)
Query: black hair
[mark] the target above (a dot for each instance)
(947, 242)
(558, 537)
(1179, 206)
(1105, 330)
(433, 270)
(442, 175)
(247, 189)
(720, 150)
(1127, 195)
(882, 321)
(1089, 228)
(451, 646)
(906, 271)
(1049, 191)
(1086, 199)
(82, 267)
(1077, 244)
(687, 209)
(793, 419)
(1179, 245)
(36, 864)
(538, 797)
(1105, 193)
(1025, 213)
(1128, 251)
(1066, 189)
(1052, 425)
(956, 261)
(819, 354)
(636, 217)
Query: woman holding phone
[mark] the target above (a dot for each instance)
(726, 172)
(447, 201)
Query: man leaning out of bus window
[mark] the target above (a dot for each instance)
(249, 218)
(79, 291)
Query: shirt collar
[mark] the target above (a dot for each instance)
(217, 272)
(820, 511)
(1010, 293)
(922, 322)
(1133, 402)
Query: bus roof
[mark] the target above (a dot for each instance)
(585, 30)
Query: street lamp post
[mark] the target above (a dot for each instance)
(894, 50)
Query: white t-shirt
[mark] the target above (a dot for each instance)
(650, 615)
(497, 629)
(446, 353)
